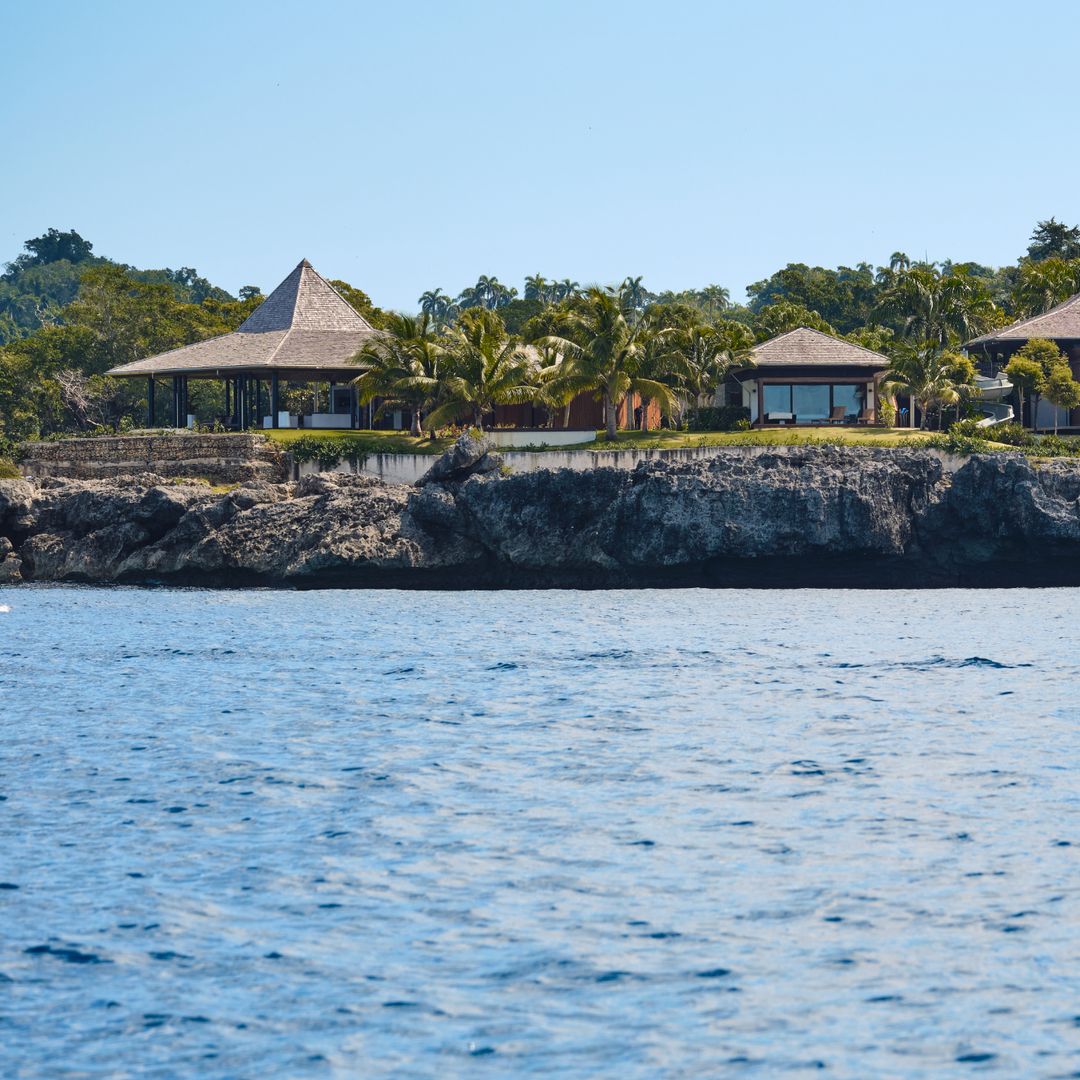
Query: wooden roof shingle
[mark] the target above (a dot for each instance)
(811, 348)
(1061, 323)
(304, 323)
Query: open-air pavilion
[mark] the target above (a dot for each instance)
(303, 332)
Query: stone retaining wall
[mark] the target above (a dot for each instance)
(221, 459)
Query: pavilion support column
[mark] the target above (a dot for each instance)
(256, 419)
(183, 400)
(176, 401)
(275, 399)
(236, 401)
(242, 401)
(150, 401)
(226, 410)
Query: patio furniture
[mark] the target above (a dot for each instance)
(837, 415)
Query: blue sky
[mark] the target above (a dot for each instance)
(404, 146)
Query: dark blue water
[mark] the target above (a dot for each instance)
(627, 834)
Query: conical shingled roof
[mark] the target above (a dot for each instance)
(304, 323)
(305, 300)
(1060, 323)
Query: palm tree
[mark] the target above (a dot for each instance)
(709, 354)
(633, 293)
(536, 287)
(483, 367)
(402, 366)
(925, 373)
(431, 301)
(715, 298)
(935, 307)
(566, 289)
(604, 352)
(1043, 285)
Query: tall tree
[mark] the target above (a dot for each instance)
(926, 374)
(483, 367)
(53, 246)
(633, 293)
(402, 366)
(930, 306)
(783, 315)
(1054, 239)
(1048, 357)
(715, 298)
(603, 350)
(1027, 378)
(536, 287)
(1044, 284)
(1061, 390)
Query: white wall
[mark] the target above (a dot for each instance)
(408, 468)
(540, 438)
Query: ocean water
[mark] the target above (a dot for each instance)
(633, 834)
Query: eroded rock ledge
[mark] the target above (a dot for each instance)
(798, 516)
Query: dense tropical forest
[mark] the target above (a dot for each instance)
(68, 315)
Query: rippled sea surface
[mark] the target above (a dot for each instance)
(633, 834)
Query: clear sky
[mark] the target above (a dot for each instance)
(403, 146)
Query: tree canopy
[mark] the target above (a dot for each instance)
(65, 309)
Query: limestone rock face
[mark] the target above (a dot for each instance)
(802, 516)
(468, 456)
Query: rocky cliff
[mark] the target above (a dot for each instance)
(797, 516)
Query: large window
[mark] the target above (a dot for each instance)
(850, 396)
(777, 398)
(812, 401)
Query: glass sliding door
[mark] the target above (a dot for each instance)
(850, 396)
(811, 401)
(777, 398)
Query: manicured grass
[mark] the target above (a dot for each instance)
(368, 442)
(676, 440)
(8, 470)
(395, 442)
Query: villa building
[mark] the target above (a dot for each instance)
(807, 377)
(1061, 325)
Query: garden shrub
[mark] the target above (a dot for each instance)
(1011, 433)
(330, 450)
(720, 418)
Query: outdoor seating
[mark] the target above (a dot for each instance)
(837, 415)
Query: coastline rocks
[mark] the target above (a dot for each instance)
(468, 456)
(10, 563)
(793, 516)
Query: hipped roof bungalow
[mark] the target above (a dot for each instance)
(1060, 324)
(807, 377)
(304, 331)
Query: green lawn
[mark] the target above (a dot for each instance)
(8, 470)
(676, 440)
(395, 442)
(369, 442)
